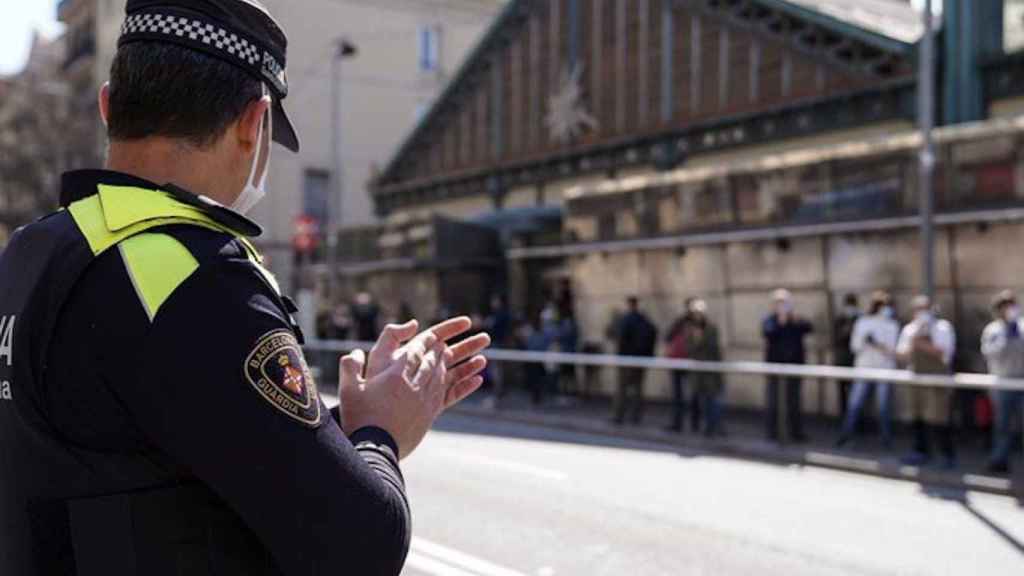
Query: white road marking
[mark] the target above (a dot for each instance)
(433, 567)
(438, 560)
(519, 467)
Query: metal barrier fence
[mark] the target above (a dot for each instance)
(901, 377)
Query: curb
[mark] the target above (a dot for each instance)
(758, 450)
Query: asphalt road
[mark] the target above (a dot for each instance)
(499, 499)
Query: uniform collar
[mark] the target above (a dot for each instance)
(110, 185)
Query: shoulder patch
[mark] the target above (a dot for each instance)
(277, 370)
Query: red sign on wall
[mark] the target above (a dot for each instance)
(307, 234)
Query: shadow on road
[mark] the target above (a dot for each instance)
(960, 497)
(480, 425)
(588, 423)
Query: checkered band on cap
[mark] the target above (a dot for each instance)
(210, 36)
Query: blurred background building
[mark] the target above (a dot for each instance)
(87, 56)
(703, 148)
(32, 146)
(404, 53)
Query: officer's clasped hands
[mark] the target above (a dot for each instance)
(408, 379)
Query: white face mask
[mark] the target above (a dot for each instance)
(888, 312)
(254, 192)
(924, 316)
(1012, 313)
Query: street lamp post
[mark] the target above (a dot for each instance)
(342, 49)
(926, 174)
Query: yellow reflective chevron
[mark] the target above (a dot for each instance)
(119, 212)
(157, 265)
(125, 206)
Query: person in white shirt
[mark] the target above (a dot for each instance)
(1002, 344)
(873, 343)
(926, 346)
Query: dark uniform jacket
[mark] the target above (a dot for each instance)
(160, 417)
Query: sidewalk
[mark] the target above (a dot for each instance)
(745, 439)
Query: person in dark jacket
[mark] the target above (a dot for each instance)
(842, 331)
(637, 336)
(784, 334)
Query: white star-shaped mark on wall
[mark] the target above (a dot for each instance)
(567, 117)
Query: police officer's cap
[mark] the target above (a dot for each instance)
(239, 32)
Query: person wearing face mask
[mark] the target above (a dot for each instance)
(158, 415)
(708, 388)
(1002, 344)
(926, 346)
(784, 334)
(873, 342)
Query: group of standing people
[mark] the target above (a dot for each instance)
(872, 340)
(693, 336)
(868, 339)
(927, 345)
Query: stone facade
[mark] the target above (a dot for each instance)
(972, 263)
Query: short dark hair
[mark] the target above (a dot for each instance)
(159, 89)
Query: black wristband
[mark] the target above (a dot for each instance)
(374, 435)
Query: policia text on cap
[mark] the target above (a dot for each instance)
(158, 416)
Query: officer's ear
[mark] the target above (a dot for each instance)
(103, 99)
(248, 127)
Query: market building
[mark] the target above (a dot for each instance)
(709, 148)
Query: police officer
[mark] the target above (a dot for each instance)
(156, 413)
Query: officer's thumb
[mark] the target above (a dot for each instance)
(352, 366)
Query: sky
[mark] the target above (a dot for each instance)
(20, 18)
